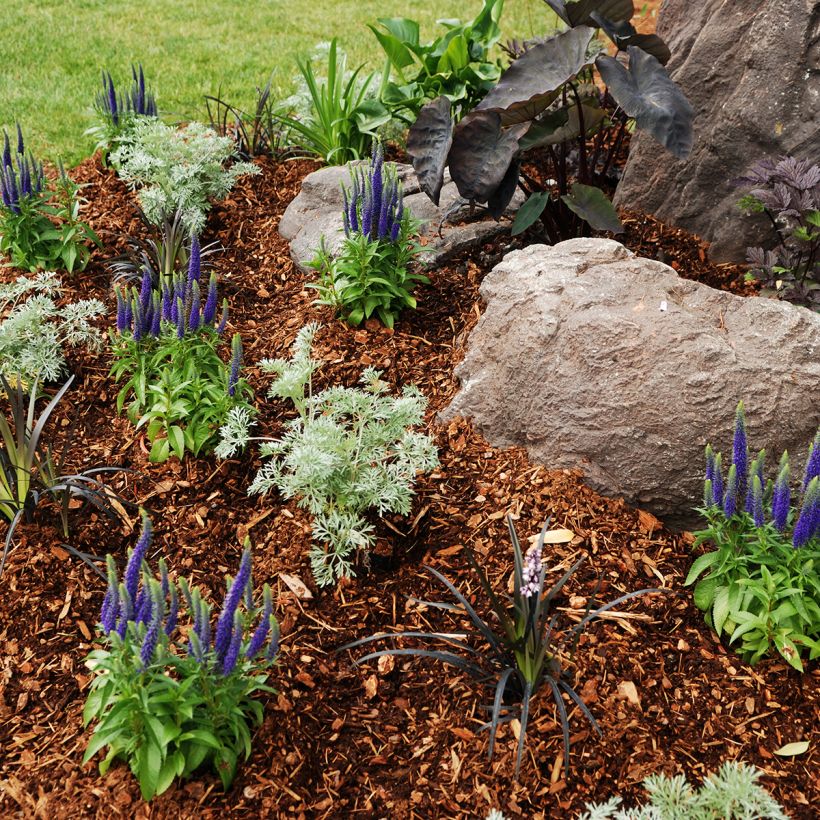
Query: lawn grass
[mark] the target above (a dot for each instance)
(54, 50)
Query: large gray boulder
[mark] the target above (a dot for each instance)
(751, 69)
(593, 358)
(316, 212)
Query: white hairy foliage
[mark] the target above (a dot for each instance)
(34, 330)
(348, 451)
(177, 169)
(732, 793)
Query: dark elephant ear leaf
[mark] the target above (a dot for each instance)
(593, 206)
(428, 143)
(584, 12)
(529, 212)
(533, 81)
(623, 34)
(481, 154)
(501, 197)
(646, 92)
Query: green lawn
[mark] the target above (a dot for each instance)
(53, 51)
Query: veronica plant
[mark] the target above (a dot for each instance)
(760, 588)
(341, 117)
(787, 190)
(456, 65)
(40, 228)
(517, 651)
(169, 700)
(557, 96)
(348, 451)
(165, 346)
(34, 330)
(178, 170)
(371, 272)
(118, 112)
(29, 472)
(731, 793)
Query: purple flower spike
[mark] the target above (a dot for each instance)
(167, 305)
(224, 626)
(781, 497)
(531, 574)
(717, 481)
(236, 364)
(149, 643)
(180, 311)
(209, 311)
(257, 640)
(740, 451)
(757, 500)
(223, 322)
(808, 524)
(132, 569)
(111, 603)
(113, 109)
(21, 148)
(122, 321)
(730, 499)
(708, 493)
(813, 463)
(173, 611)
(156, 316)
(204, 632)
(195, 317)
(6, 150)
(232, 655)
(194, 261)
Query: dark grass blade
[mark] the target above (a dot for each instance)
(12, 527)
(562, 713)
(414, 634)
(482, 627)
(499, 695)
(581, 705)
(445, 657)
(525, 716)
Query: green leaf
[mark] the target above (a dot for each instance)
(160, 451)
(701, 564)
(593, 206)
(176, 439)
(529, 212)
(149, 764)
(720, 608)
(704, 593)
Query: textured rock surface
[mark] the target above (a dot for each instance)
(317, 212)
(591, 357)
(751, 69)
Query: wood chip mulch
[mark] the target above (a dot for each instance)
(389, 740)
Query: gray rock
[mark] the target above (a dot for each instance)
(316, 212)
(592, 358)
(751, 69)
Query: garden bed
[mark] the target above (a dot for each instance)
(399, 739)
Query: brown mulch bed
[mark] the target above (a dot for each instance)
(397, 740)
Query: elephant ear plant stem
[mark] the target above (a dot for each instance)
(520, 655)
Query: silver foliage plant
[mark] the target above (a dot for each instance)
(34, 330)
(178, 170)
(732, 793)
(349, 450)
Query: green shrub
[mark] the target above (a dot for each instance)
(34, 330)
(39, 228)
(760, 586)
(170, 702)
(336, 117)
(456, 65)
(177, 170)
(732, 793)
(348, 451)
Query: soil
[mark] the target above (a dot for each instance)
(389, 740)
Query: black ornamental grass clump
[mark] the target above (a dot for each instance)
(565, 103)
(518, 651)
(171, 700)
(760, 586)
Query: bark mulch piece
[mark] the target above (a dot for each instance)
(396, 739)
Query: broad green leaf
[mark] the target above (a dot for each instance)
(593, 206)
(701, 564)
(529, 212)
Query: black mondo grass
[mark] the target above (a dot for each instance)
(518, 655)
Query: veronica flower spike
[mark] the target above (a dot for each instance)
(813, 463)
(225, 624)
(808, 524)
(740, 451)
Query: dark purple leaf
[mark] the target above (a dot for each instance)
(428, 143)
